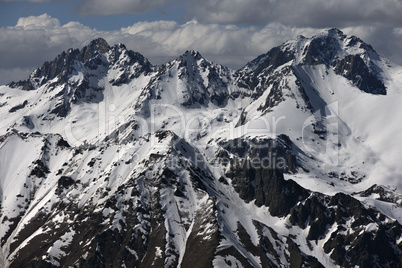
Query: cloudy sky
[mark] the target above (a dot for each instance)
(229, 32)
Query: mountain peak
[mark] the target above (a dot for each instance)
(348, 56)
(335, 32)
(99, 44)
(191, 54)
(95, 47)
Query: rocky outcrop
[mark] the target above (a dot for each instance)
(355, 69)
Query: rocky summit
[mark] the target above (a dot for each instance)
(107, 160)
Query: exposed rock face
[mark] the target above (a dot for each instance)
(128, 64)
(354, 68)
(323, 49)
(261, 179)
(18, 107)
(255, 73)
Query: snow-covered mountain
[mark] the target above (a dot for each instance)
(109, 161)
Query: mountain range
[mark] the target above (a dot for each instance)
(107, 160)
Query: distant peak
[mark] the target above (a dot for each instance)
(120, 45)
(332, 32)
(95, 47)
(192, 54)
(335, 32)
(99, 44)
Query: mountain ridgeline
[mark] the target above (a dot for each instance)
(110, 161)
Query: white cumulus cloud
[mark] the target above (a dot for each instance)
(36, 39)
(42, 21)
